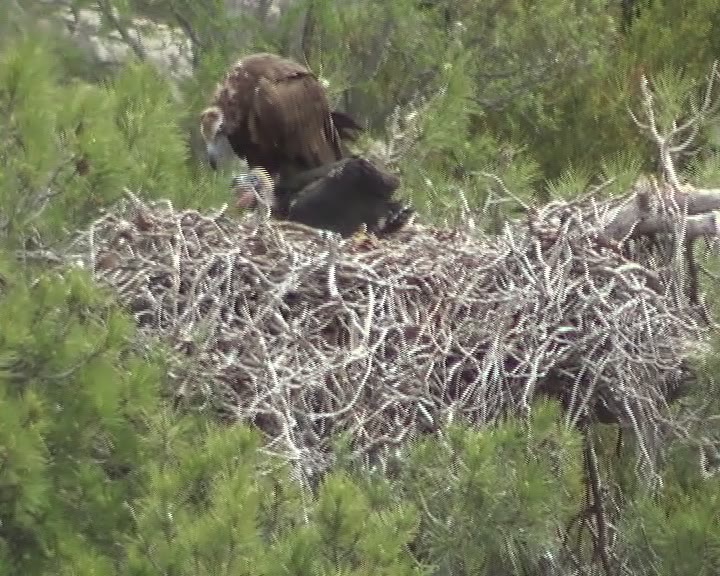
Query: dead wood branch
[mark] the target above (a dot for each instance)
(678, 139)
(306, 335)
(660, 208)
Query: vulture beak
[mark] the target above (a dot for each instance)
(212, 155)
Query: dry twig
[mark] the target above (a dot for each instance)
(306, 335)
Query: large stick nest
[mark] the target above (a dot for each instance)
(307, 335)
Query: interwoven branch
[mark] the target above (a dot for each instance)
(307, 335)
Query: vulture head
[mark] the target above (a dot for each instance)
(212, 128)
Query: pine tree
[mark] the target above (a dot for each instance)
(99, 476)
(73, 397)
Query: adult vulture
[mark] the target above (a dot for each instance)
(275, 113)
(342, 197)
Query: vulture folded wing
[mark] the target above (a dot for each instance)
(323, 205)
(235, 95)
(293, 114)
(353, 193)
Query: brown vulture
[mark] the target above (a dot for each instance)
(342, 197)
(275, 113)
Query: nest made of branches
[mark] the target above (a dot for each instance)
(306, 335)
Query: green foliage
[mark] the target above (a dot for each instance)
(146, 125)
(493, 499)
(98, 476)
(673, 44)
(525, 62)
(678, 532)
(215, 506)
(73, 398)
(203, 503)
(70, 148)
(358, 539)
(28, 156)
(682, 35)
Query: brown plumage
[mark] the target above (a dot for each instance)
(275, 114)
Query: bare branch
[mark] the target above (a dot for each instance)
(306, 334)
(108, 10)
(679, 138)
(635, 216)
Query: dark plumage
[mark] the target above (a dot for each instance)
(275, 113)
(341, 197)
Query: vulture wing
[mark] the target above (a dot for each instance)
(341, 196)
(353, 193)
(277, 115)
(292, 115)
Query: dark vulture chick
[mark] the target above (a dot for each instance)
(275, 113)
(342, 197)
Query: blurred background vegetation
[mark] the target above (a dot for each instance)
(99, 476)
